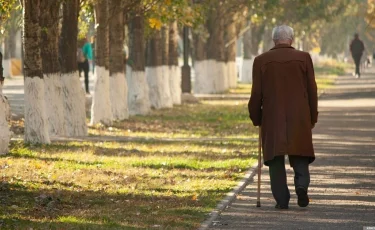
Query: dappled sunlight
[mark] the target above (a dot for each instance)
(68, 182)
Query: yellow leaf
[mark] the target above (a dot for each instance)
(155, 23)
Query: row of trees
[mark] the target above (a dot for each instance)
(54, 98)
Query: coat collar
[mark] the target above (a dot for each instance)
(279, 46)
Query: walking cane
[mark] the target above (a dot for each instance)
(259, 164)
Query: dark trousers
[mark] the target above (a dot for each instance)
(84, 66)
(277, 172)
(357, 62)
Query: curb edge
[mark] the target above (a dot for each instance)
(230, 197)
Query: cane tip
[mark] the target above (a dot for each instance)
(258, 204)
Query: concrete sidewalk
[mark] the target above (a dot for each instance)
(342, 189)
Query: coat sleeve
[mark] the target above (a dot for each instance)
(255, 102)
(312, 91)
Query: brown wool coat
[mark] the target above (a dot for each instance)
(284, 102)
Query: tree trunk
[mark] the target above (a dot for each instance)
(74, 95)
(257, 32)
(1, 69)
(118, 85)
(10, 43)
(216, 68)
(174, 69)
(267, 39)
(231, 55)
(139, 102)
(101, 110)
(202, 83)
(247, 62)
(154, 70)
(51, 67)
(7, 65)
(167, 101)
(36, 123)
(4, 115)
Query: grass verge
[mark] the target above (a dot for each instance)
(109, 185)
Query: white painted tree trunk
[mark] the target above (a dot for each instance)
(175, 84)
(138, 95)
(203, 82)
(217, 71)
(101, 111)
(232, 74)
(54, 104)
(4, 127)
(167, 101)
(155, 79)
(119, 96)
(7, 65)
(36, 122)
(247, 71)
(74, 104)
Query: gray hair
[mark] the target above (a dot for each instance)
(282, 33)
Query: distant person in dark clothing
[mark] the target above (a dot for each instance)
(84, 56)
(1, 69)
(356, 49)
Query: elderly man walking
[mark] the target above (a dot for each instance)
(284, 104)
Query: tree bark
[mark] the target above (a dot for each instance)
(200, 46)
(231, 54)
(137, 43)
(10, 43)
(49, 47)
(216, 68)
(74, 95)
(1, 69)
(247, 51)
(154, 57)
(257, 32)
(267, 39)
(68, 37)
(165, 87)
(165, 45)
(36, 123)
(139, 102)
(101, 110)
(4, 115)
(51, 67)
(247, 62)
(173, 44)
(118, 85)
(174, 69)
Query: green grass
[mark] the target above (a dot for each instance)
(112, 185)
(208, 119)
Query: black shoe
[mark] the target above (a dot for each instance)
(281, 207)
(303, 199)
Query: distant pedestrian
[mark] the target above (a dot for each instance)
(1, 69)
(284, 104)
(356, 49)
(84, 56)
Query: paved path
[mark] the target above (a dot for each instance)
(342, 177)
